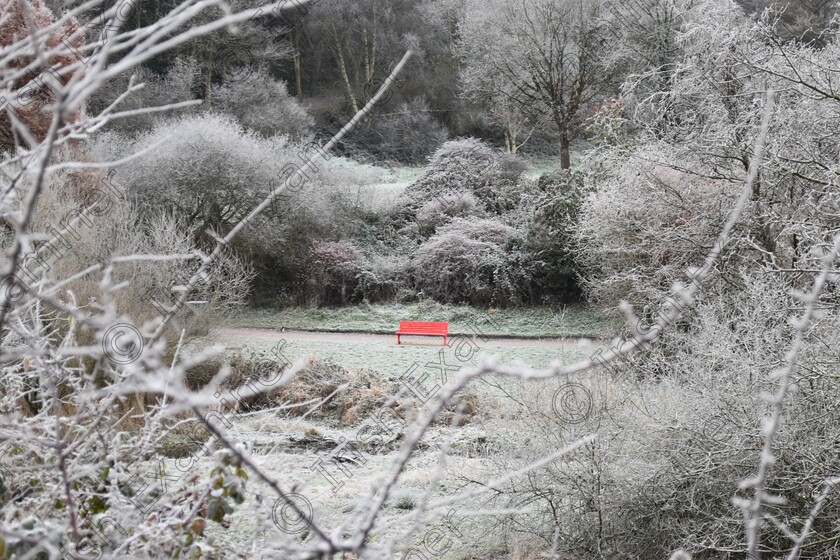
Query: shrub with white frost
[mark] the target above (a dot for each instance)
(206, 168)
(469, 260)
(467, 165)
(263, 105)
(643, 225)
(442, 209)
(178, 84)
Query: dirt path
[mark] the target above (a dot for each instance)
(386, 339)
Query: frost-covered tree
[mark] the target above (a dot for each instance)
(34, 82)
(545, 55)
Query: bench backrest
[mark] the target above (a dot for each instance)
(424, 326)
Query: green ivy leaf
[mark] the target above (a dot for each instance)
(215, 511)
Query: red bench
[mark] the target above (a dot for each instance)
(423, 328)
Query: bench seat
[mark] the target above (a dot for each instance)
(423, 328)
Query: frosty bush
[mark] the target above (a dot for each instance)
(407, 134)
(550, 236)
(177, 84)
(676, 425)
(333, 270)
(32, 81)
(206, 168)
(469, 261)
(384, 277)
(227, 285)
(96, 234)
(642, 225)
(467, 165)
(338, 273)
(262, 104)
(441, 210)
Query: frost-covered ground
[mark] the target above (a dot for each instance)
(381, 353)
(290, 448)
(292, 464)
(530, 322)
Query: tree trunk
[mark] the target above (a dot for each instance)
(343, 69)
(565, 154)
(208, 83)
(298, 86)
(563, 129)
(510, 141)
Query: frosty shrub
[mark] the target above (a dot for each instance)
(331, 207)
(338, 273)
(206, 168)
(468, 261)
(36, 86)
(550, 238)
(332, 274)
(716, 368)
(262, 104)
(676, 425)
(467, 165)
(96, 234)
(442, 209)
(407, 134)
(227, 284)
(177, 84)
(384, 277)
(642, 225)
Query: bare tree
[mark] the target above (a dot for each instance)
(544, 55)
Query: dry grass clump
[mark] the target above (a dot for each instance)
(358, 395)
(324, 390)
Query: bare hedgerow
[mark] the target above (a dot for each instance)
(339, 273)
(227, 286)
(333, 270)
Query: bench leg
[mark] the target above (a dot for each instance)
(444, 340)
(398, 339)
